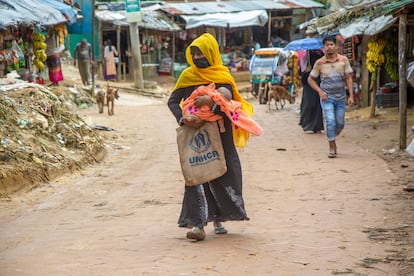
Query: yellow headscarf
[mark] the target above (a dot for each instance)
(216, 73)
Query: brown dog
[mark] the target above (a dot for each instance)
(279, 94)
(100, 100)
(111, 95)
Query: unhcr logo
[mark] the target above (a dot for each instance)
(200, 143)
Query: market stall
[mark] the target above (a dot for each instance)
(156, 37)
(22, 35)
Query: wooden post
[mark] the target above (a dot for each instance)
(99, 62)
(402, 72)
(374, 92)
(364, 72)
(118, 47)
(173, 55)
(269, 26)
(129, 56)
(223, 39)
(93, 49)
(136, 55)
(118, 40)
(133, 9)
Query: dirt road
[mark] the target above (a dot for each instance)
(309, 215)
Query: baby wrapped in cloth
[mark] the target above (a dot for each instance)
(223, 98)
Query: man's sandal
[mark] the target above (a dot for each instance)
(220, 229)
(332, 155)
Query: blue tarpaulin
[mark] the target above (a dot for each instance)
(68, 11)
(308, 43)
(15, 12)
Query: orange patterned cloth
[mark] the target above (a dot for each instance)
(231, 108)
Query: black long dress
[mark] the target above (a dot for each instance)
(220, 199)
(311, 118)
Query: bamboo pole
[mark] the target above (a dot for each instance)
(269, 26)
(136, 55)
(365, 73)
(374, 90)
(118, 47)
(93, 48)
(402, 72)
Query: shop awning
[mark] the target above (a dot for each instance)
(68, 11)
(227, 20)
(153, 20)
(206, 7)
(110, 16)
(367, 26)
(15, 12)
(368, 19)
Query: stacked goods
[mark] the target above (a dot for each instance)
(61, 32)
(295, 68)
(15, 56)
(375, 58)
(39, 47)
(391, 56)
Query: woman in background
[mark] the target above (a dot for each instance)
(311, 119)
(110, 53)
(53, 58)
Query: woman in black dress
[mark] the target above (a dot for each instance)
(311, 119)
(221, 199)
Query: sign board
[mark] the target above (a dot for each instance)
(133, 10)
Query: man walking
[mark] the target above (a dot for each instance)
(336, 74)
(83, 54)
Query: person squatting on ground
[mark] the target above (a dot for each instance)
(221, 199)
(83, 54)
(336, 74)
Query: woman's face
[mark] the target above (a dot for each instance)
(199, 59)
(197, 54)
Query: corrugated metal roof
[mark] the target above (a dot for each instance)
(303, 4)
(344, 17)
(153, 20)
(70, 12)
(258, 5)
(15, 12)
(156, 20)
(397, 5)
(227, 20)
(221, 7)
(237, 6)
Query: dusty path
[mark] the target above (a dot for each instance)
(310, 215)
